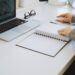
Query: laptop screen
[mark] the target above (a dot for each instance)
(7, 10)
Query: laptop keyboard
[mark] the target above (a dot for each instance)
(11, 24)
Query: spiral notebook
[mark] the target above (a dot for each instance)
(45, 40)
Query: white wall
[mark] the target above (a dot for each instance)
(29, 4)
(17, 3)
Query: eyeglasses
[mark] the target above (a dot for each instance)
(29, 14)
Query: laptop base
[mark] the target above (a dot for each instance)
(19, 30)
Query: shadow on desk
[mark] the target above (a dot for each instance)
(71, 69)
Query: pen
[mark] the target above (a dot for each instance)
(53, 22)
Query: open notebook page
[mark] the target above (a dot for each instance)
(51, 30)
(43, 45)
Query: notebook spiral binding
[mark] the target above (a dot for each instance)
(48, 36)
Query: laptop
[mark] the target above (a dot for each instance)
(10, 26)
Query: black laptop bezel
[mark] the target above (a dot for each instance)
(10, 17)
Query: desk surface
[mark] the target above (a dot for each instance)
(18, 61)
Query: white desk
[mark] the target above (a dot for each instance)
(18, 61)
